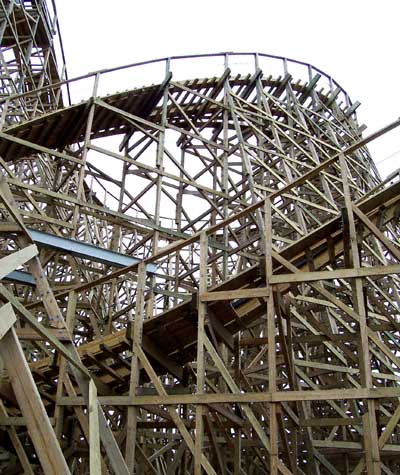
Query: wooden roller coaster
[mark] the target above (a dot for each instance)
(198, 276)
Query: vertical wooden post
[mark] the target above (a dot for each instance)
(94, 434)
(202, 309)
(237, 454)
(159, 166)
(88, 131)
(272, 386)
(132, 413)
(371, 447)
(59, 410)
(225, 168)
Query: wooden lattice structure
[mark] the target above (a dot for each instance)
(31, 57)
(199, 276)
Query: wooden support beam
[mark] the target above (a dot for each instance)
(137, 334)
(39, 427)
(361, 272)
(244, 398)
(16, 259)
(271, 331)
(94, 433)
(372, 456)
(233, 294)
(200, 377)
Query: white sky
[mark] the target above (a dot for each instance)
(355, 41)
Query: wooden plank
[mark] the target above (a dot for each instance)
(16, 259)
(132, 414)
(372, 456)
(39, 427)
(360, 272)
(243, 398)
(233, 294)
(38, 148)
(270, 329)
(200, 376)
(31, 334)
(394, 250)
(94, 433)
(7, 319)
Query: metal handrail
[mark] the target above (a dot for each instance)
(256, 58)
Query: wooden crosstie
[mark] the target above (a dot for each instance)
(265, 338)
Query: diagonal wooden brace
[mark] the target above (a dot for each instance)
(39, 427)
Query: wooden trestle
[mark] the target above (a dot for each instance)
(267, 339)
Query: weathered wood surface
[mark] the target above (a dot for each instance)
(267, 339)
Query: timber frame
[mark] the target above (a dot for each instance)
(256, 330)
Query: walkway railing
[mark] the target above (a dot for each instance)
(19, 107)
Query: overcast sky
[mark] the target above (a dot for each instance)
(355, 41)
